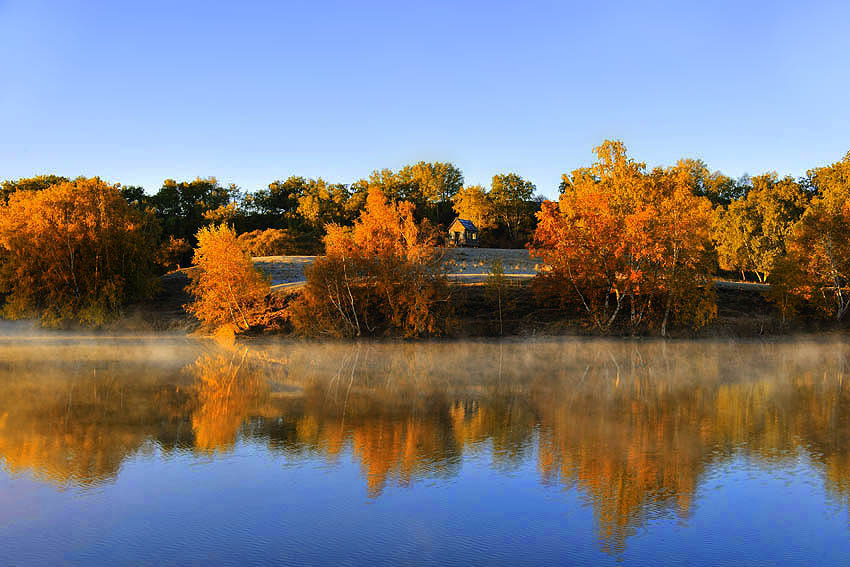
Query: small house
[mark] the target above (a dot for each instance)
(463, 232)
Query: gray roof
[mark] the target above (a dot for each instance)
(467, 224)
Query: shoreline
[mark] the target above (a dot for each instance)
(742, 312)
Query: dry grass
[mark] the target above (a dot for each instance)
(465, 264)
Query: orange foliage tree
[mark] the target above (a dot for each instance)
(226, 288)
(382, 275)
(74, 251)
(624, 241)
(817, 269)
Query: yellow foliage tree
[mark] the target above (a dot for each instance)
(74, 251)
(818, 269)
(380, 276)
(226, 288)
(752, 232)
(473, 203)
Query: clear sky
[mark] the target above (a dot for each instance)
(249, 92)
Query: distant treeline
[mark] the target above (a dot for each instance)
(626, 246)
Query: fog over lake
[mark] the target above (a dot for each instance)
(540, 451)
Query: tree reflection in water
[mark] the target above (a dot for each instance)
(634, 426)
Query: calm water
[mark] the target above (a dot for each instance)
(116, 451)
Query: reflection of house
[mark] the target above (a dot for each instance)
(463, 232)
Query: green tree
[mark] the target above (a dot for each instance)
(277, 206)
(511, 196)
(181, 206)
(716, 187)
(134, 195)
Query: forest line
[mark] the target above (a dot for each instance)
(625, 248)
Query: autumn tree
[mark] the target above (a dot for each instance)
(380, 276)
(621, 240)
(74, 251)
(818, 269)
(473, 203)
(323, 203)
(751, 233)
(716, 187)
(37, 183)
(681, 258)
(431, 184)
(226, 288)
(511, 196)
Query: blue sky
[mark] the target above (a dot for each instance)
(249, 92)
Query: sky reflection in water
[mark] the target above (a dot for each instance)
(532, 452)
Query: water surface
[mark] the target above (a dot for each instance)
(559, 451)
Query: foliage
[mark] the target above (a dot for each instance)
(226, 288)
(273, 242)
(380, 276)
(171, 253)
(511, 196)
(751, 234)
(134, 195)
(323, 203)
(819, 251)
(473, 203)
(185, 207)
(37, 183)
(716, 187)
(435, 182)
(621, 239)
(278, 204)
(74, 251)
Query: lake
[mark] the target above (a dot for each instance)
(551, 451)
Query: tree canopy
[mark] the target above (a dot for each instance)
(75, 250)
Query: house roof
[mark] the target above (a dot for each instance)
(468, 224)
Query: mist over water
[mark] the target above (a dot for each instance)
(118, 449)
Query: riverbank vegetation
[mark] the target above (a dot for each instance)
(381, 276)
(74, 250)
(624, 249)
